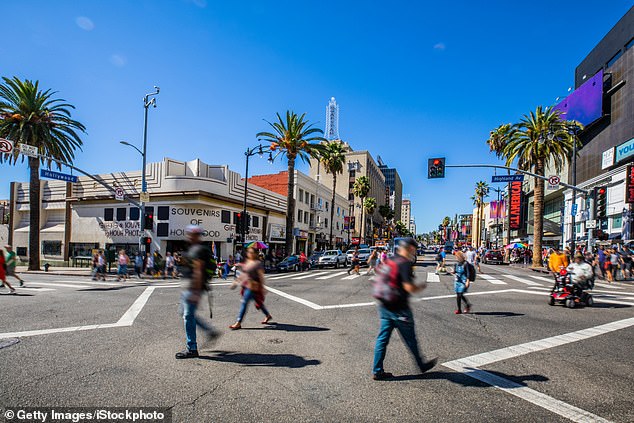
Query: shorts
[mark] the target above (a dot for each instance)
(169, 270)
(10, 271)
(123, 269)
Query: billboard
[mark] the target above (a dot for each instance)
(497, 210)
(515, 206)
(585, 104)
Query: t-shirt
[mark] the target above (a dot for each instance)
(601, 255)
(11, 261)
(471, 256)
(195, 252)
(123, 260)
(405, 274)
(169, 261)
(614, 259)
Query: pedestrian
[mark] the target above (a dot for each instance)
(383, 256)
(3, 276)
(302, 261)
(122, 262)
(11, 261)
(194, 268)
(398, 274)
(238, 258)
(372, 262)
(251, 281)
(354, 262)
(149, 264)
(614, 266)
(440, 262)
(101, 266)
(169, 265)
(95, 266)
(557, 261)
(601, 260)
(471, 256)
(138, 264)
(462, 282)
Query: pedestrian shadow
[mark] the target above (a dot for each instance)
(111, 288)
(287, 327)
(497, 313)
(465, 380)
(16, 294)
(290, 361)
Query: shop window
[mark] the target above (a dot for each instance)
(121, 214)
(617, 222)
(163, 213)
(108, 215)
(255, 221)
(52, 248)
(162, 229)
(135, 213)
(21, 251)
(225, 216)
(325, 223)
(301, 196)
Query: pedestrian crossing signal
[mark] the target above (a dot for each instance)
(601, 205)
(436, 168)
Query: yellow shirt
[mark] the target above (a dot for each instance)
(557, 261)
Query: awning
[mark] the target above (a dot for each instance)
(54, 227)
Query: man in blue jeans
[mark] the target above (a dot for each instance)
(398, 314)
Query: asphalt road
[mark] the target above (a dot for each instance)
(83, 343)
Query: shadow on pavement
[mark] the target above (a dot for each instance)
(288, 328)
(16, 294)
(497, 313)
(467, 381)
(291, 361)
(607, 305)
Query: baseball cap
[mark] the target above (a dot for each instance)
(408, 242)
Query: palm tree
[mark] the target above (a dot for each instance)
(400, 228)
(34, 117)
(445, 223)
(293, 138)
(386, 213)
(499, 138)
(360, 189)
(540, 138)
(333, 158)
(369, 205)
(481, 192)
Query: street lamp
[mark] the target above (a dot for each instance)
(573, 129)
(259, 150)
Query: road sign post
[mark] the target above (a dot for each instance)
(119, 194)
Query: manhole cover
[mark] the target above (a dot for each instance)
(275, 341)
(8, 342)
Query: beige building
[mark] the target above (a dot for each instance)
(406, 212)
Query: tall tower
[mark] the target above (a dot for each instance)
(332, 120)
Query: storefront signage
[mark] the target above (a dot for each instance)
(515, 206)
(209, 219)
(277, 232)
(121, 229)
(625, 150)
(607, 158)
(629, 185)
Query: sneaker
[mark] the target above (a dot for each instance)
(467, 309)
(457, 312)
(21, 282)
(12, 291)
(428, 365)
(382, 376)
(235, 326)
(187, 354)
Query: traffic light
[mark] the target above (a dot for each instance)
(436, 168)
(239, 223)
(146, 240)
(601, 202)
(148, 220)
(247, 222)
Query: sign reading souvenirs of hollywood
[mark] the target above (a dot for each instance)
(209, 219)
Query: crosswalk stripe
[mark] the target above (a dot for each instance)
(432, 277)
(35, 288)
(607, 285)
(350, 277)
(310, 275)
(542, 278)
(332, 275)
(492, 279)
(524, 281)
(281, 277)
(62, 285)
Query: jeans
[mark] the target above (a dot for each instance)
(247, 296)
(188, 311)
(403, 321)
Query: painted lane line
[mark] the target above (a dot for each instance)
(35, 288)
(347, 305)
(542, 278)
(294, 298)
(310, 275)
(288, 275)
(522, 280)
(607, 285)
(61, 285)
(332, 275)
(128, 317)
(350, 277)
(432, 277)
(551, 404)
(492, 279)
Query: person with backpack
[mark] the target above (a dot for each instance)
(465, 274)
(194, 268)
(393, 284)
(252, 282)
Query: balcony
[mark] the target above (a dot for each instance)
(316, 207)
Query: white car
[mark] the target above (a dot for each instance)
(333, 258)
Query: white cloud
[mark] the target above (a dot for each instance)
(118, 60)
(84, 23)
(440, 46)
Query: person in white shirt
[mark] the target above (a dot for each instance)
(471, 256)
(579, 271)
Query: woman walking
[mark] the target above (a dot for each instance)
(251, 280)
(3, 276)
(372, 261)
(123, 261)
(461, 285)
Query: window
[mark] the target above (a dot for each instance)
(327, 205)
(21, 251)
(301, 195)
(337, 225)
(312, 199)
(225, 216)
(163, 213)
(325, 223)
(52, 248)
(306, 217)
(351, 197)
(299, 216)
(121, 213)
(338, 211)
(617, 222)
(255, 221)
(135, 213)
(162, 229)
(353, 173)
(108, 215)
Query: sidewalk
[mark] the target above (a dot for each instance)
(59, 271)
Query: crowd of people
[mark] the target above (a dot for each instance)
(611, 263)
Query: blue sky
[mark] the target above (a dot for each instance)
(413, 79)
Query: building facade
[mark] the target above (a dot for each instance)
(406, 211)
(393, 187)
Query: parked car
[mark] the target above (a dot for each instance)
(493, 257)
(313, 260)
(332, 258)
(289, 264)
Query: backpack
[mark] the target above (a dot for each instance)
(438, 257)
(385, 285)
(470, 271)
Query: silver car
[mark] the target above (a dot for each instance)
(364, 255)
(333, 258)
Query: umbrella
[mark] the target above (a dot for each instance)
(257, 244)
(516, 245)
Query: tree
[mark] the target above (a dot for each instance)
(293, 138)
(369, 205)
(499, 138)
(360, 189)
(333, 158)
(481, 192)
(29, 115)
(540, 138)
(445, 223)
(386, 213)
(400, 228)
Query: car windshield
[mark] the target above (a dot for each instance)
(364, 251)
(330, 253)
(350, 252)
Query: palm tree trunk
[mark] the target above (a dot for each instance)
(34, 214)
(362, 229)
(538, 215)
(290, 206)
(332, 207)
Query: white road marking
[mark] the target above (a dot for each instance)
(310, 275)
(35, 288)
(542, 278)
(332, 275)
(294, 298)
(128, 317)
(432, 277)
(492, 279)
(288, 275)
(522, 280)
(350, 277)
(347, 305)
(62, 285)
(607, 285)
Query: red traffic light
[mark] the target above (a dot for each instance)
(601, 191)
(436, 162)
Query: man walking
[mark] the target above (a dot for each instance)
(11, 262)
(398, 273)
(195, 283)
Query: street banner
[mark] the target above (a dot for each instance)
(629, 185)
(57, 175)
(515, 208)
(497, 210)
(507, 178)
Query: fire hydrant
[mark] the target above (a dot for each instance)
(46, 266)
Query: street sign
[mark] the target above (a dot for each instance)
(28, 150)
(507, 178)
(553, 182)
(591, 224)
(144, 197)
(57, 175)
(573, 210)
(6, 146)
(119, 194)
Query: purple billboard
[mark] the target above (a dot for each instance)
(585, 104)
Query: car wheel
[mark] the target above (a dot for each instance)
(589, 301)
(336, 264)
(570, 303)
